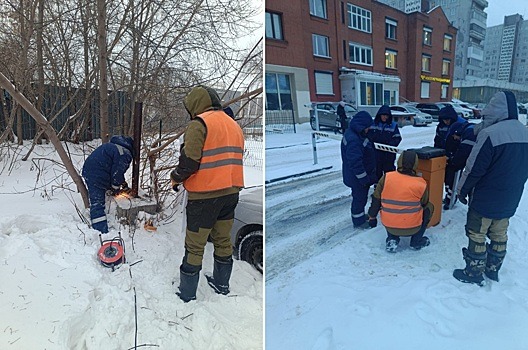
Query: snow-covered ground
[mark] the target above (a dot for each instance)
(55, 295)
(331, 287)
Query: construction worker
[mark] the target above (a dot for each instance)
(104, 171)
(494, 178)
(403, 199)
(447, 117)
(210, 168)
(384, 131)
(458, 148)
(341, 114)
(359, 165)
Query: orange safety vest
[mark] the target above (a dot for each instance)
(221, 163)
(400, 200)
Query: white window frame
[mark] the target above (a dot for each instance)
(318, 11)
(274, 26)
(429, 60)
(377, 93)
(388, 54)
(324, 83)
(445, 90)
(364, 53)
(391, 27)
(444, 62)
(425, 89)
(359, 18)
(427, 36)
(447, 39)
(320, 44)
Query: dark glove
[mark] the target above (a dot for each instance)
(175, 185)
(373, 222)
(463, 199)
(124, 186)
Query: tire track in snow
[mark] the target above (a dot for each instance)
(305, 218)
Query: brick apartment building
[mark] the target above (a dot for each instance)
(361, 51)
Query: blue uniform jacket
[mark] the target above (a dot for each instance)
(357, 153)
(497, 167)
(467, 141)
(106, 166)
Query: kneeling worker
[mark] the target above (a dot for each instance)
(403, 199)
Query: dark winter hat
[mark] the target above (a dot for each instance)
(408, 162)
(448, 112)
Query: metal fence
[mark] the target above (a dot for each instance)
(66, 102)
(254, 145)
(280, 121)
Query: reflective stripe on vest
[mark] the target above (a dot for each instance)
(400, 200)
(221, 162)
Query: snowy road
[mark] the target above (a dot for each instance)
(297, 228)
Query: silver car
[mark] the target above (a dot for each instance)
(247, 232)
(420, 118)
(327, 114)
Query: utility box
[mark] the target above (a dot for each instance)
(431, 166)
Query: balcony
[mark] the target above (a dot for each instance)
(482, 3)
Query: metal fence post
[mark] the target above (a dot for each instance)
(314, 148)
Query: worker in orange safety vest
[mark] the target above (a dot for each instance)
(403, 199)
(211, 169)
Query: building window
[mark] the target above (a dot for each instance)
(371, 94)
(446, 65)
(424, 91)
(390, 97)
(324, 83)
(390, 59)
(359, 18)
(445, 88)
(320, 45)
(360, 54)
(427, 36)
(390, 28)
(447, 42)
(278, 92)
(318, 8)
(426, 63)
(274, 26)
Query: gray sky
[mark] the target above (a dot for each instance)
(497, 9)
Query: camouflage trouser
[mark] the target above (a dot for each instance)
(208, 218)
(479, 227)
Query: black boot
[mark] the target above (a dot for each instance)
(475, 265)
(494, 263)
(188, 285)
(219, 281)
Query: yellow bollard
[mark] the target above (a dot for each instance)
(431, 166)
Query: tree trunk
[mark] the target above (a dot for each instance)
(46, 126)
(103, 79)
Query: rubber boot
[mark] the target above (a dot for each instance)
(475, 265)
(188, 285)
(494, 263)
(221, 274)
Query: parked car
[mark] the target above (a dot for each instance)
(476, 111)
(247, 231)
(327, 113)
(430, 108)
(427, 118)
(465, 113)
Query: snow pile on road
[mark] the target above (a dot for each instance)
(333, 287)
(55, 295)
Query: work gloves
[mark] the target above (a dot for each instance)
(373, 222)
(175, 185)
